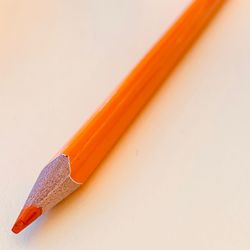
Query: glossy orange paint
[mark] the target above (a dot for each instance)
(96, 138)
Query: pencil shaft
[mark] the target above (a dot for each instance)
(94, 140)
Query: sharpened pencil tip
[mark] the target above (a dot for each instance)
(26, 217)
(18, 227)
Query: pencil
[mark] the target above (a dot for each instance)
(73, 165)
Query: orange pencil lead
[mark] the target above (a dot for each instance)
(26, 217)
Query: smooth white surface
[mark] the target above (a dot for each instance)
(179, 179)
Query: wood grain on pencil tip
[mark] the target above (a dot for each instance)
(91, 144)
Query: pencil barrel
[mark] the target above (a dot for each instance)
(96, 138)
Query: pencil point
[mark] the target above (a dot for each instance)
(26, 217)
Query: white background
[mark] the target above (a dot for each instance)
(179, 179)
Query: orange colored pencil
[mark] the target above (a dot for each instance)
(72, 166)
